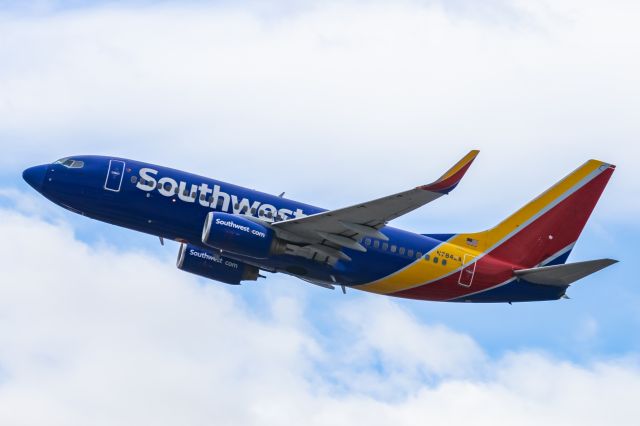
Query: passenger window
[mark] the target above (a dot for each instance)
(401, 251)
(444, 262)
(394, 248)
(376, 244)
(418, 255)
(134, 179)
(253, 210)
(202, 197)
(435, 260)
(410, 253)
(385, 246)
(367, 242)
(426, 256)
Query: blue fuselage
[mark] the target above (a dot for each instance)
(173, 204)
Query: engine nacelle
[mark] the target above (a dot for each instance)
(241, 236)
(214, 266)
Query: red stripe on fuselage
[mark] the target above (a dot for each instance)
(525, 249)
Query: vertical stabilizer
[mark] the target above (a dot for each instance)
(545, 230)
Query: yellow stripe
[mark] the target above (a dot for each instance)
(423, 271)
(460, 164)
(489, 238)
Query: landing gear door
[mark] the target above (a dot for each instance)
(114, 176)
(467, 273)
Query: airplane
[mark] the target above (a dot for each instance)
(232, 234)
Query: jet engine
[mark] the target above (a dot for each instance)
(240, 235)
(214, 266)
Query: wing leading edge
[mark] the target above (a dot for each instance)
(330, 231)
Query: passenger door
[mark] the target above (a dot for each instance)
(467, 273)
(114, 176)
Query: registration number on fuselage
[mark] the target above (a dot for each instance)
(446, 255)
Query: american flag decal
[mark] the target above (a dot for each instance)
(472, 242)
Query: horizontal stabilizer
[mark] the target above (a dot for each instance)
(563, 275)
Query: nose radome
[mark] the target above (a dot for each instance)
(34, 176)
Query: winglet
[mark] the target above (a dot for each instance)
(453, 176)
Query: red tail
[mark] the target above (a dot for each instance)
(548, 226)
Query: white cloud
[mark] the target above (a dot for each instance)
(329, 102)
(98, 336)
(380, 95)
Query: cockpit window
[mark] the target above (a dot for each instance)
(70, 163)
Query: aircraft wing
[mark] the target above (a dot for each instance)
(342, 228)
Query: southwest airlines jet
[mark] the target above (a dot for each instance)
(230, 234)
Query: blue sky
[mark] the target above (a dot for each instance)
(331, 102)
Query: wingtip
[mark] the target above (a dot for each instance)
(467, 159)
(462, 165)
(453, 176)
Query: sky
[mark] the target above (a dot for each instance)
(333, 102)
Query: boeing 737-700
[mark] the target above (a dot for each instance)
(231, 234)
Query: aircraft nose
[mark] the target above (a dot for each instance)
(34, 176)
